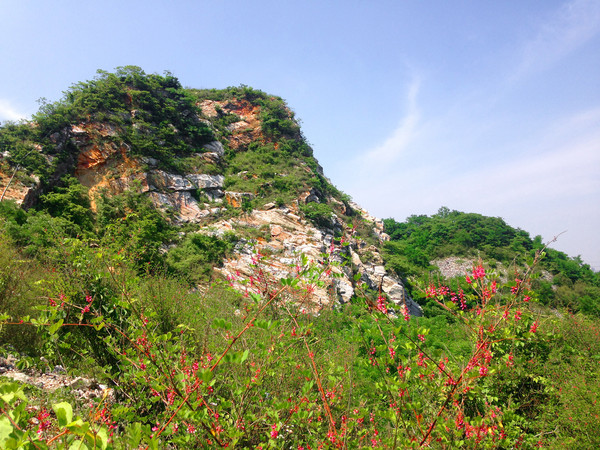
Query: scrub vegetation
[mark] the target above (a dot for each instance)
(506, 356)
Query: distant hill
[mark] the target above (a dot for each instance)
(419, 244)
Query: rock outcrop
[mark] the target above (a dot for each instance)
(287, 237)
(102, 159)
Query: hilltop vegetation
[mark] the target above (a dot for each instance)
(559, 280)
(112, 286)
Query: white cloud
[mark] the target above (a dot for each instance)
(7, 112)
(402, 136)
(575, 23)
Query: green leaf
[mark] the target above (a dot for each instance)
(101, 439)
(134, 435)
(205, 375)
(221, 323)
(55, 326)
(64, 413)
(6, 429)
(78, 445)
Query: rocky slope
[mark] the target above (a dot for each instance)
(204, 189)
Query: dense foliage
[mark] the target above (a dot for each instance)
(563, 281)
(152, 114)
(214, 368)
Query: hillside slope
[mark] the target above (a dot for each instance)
(177, 272)
(231, 164)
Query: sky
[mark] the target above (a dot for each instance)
(490, 107)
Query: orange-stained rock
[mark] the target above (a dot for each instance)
(16, 190)
(236, 199)
(244, 131)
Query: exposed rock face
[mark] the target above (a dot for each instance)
(236, 199)
(242, 132)
(288, 238)
(15, 189)
(101, 162)
(104, 164)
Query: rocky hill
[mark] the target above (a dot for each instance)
(215, 162)
(131, 206)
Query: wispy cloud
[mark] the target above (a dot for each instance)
(404, 133)
(567, 172)
(571, 26)
(8, 112)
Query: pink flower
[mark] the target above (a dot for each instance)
(483, 371)
(274, 432)
(534, 326)
(43, 424)
(478, 272)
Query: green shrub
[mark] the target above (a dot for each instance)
(318, 213)
(195, 257)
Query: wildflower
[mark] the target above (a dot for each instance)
(421, 337)
(430, 291)
(274, 432)
(478, 272)
(516, 287)
(534, 326)
(43, 424)
(381, 306)
(468, 279)
(483, 371)
(518, 315)
(171, 397)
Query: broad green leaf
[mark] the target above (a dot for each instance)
(55, 326)
(78, 445)
(64, 413)
(6, 429)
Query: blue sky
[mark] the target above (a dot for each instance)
(481, 106)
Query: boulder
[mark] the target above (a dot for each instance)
(215, 147)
